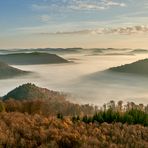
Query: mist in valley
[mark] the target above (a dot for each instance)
(84, 79)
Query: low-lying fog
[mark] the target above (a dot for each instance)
(73, 78)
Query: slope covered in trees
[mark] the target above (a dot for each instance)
(56, 123)
(23, 130)
(31, 58)
(139, 67)
(30, 91)
(32, 99)
(7, 71)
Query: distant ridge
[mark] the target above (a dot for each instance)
(139, 67)
(7, 71)
(139, 51)
(32, 58)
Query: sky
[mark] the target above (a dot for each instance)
(73, 23)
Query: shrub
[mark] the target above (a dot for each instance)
(2, 106)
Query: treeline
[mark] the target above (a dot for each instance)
(47, 107)
(111, 113)
(133, 116)
(38, 123)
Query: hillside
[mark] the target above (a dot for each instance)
(30, 91)
(115, 126)
(46, 50)
(139, 67)
(36, 117)
(31, 58)
(7, 71)
(42, 100)
(142, 51)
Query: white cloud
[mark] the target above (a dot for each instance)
(78, 4)
(119, 30)
(44, 18)
(113, 3)
(85, 6)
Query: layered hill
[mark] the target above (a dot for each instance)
(139, 67)
(31, 58)
(7, 71)
(31, 92)
(140, 51)
(34, 123)
(46, 50)
(34, 99)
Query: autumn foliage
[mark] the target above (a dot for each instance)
(54, 122)
(24, 130)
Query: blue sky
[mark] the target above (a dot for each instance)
(73, 23)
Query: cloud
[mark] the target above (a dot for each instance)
(130, 30)
(113, 3)
(44, 18)
(78, 4)
(67, 32)
(120, 30)
(98, 5)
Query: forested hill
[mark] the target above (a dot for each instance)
(139, 67)
(43, 100)
(31, 58)
(30, 92)
(37, 117)
(7, 71)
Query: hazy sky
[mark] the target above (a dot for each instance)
(74, 23)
